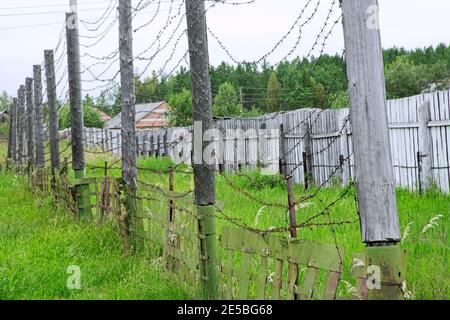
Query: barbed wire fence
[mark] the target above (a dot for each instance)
(170, 48)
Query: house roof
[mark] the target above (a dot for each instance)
(142, 110)
(105, 117)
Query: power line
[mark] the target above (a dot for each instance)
(50, 5)
(44, 13)
(33, 25)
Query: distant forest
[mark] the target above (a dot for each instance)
(247, 89)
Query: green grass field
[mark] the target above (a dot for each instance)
(38, 243)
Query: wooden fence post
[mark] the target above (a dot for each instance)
(76, 112)
(344, 147)
(12, 147)
(138, 151)
(165, 143)
(173, 240)
(373, 165)
(307, 156)
(53, 125)
(424, 153)
(152, 145)
(158, 145)
(39, 118)
(289, 183)
(205, 183)
(39, 136)
(262, 146)
(129, 171)
(21, 127)
(111, 141)
(30, 123)
(15, 131)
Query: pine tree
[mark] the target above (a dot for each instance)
(273, 93)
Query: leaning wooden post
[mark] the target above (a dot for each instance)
(76, 111)
(289, 183)
(129, 172)
(21, 127)
(424, 153)
(204, 174)
(373, 167)
(30, 123)
(39, 126)
(53, 125)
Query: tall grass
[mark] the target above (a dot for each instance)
(423, 219)
(38, 242)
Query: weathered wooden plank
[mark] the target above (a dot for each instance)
(262, 279)
(306, 289)
(277, 278)
(329, 291)
(244, 275)
(291, 282)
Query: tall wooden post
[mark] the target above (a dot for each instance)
(373, 166)
(21, 126)
(30, 122)
(12, 134)
(204, 174)
(289, 183)
(76, 110)
(129, 171)
(15, 131)
(53, 125)
(39, 118)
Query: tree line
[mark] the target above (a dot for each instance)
(246, 89)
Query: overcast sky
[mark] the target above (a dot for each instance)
(249, 32)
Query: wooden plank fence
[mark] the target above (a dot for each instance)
(419, 131)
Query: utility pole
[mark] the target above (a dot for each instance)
(30, 123)
(204, 174)
(21, 126)
(53, 125)
(76, 109)
(129, 172)
(373, 165)
(39, 118)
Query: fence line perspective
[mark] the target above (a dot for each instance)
(419, 132)
(314, 147)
